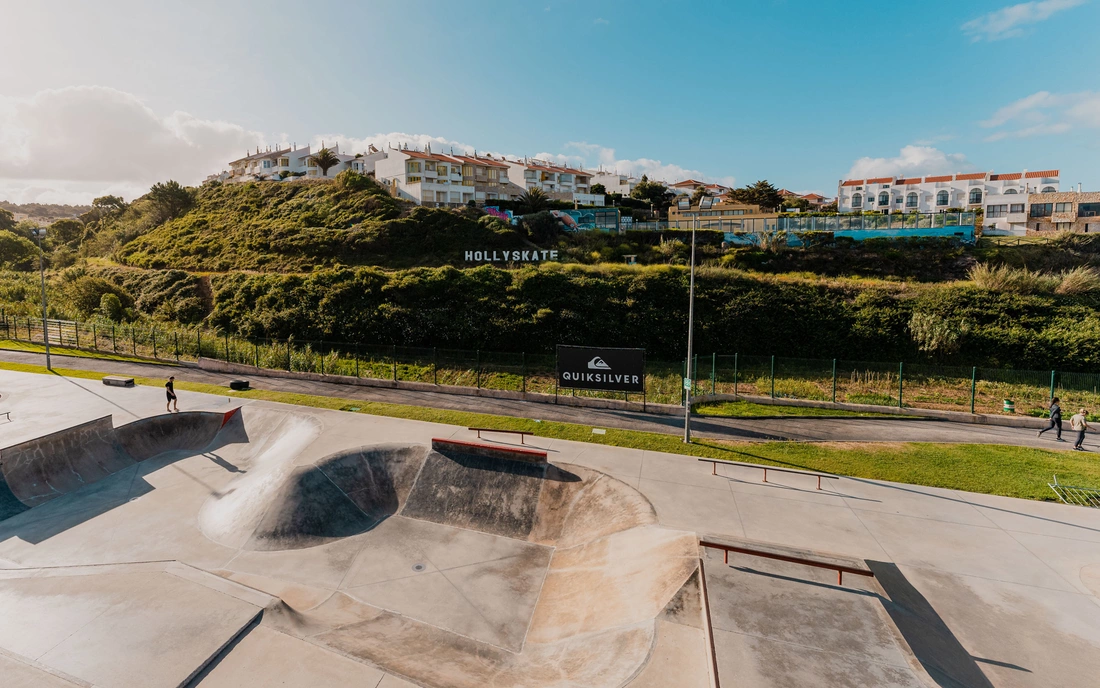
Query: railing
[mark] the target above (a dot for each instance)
(1078, 496)
(714, 470)
(840, 569)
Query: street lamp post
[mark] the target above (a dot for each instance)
(40, 234)
(691, 326)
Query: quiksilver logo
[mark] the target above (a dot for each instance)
(598, 363)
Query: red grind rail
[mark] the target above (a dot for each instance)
(840, 569)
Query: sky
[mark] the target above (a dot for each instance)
(112, 96)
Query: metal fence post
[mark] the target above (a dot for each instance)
(1052, 374)
(176, 338)
(133, 339)
(154, 341)
(435, 366)
(973, 386)
(394, 357)
(773, 377)
(523, 370)
(227, 347)
(479, 368)
(198, 343)
(76, 333)
(713, 363)
(114, 342)
(901, 378)
(321, 353)
(357, 359)
(95, 339)
(736, 374)
(834, 380)
(289, 358)
(256, 354)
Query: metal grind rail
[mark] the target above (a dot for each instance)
(840, 569)
(714, 470)
(1077, 496)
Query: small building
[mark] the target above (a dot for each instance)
(614, 183)
(723, 215)
(936, 193)
(1063, 211)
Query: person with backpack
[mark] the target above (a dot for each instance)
(1055, 420)
(1080, 425)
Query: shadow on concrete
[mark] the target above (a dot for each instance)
(933, 643)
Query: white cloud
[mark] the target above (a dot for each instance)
(1043, 113)
(78, 142)
(601, 20)
(912, 160)
(1009, 22)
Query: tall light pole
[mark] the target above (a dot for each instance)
(691, 327)
(39, 234)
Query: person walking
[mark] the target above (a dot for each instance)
(170, 387)
(1055, 420)
(1080, 425)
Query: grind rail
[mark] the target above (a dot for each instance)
(840, 569)
(714, 470)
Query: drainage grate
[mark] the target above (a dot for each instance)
(418, 567)
(1079, 496)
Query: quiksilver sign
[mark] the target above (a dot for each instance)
(499, 256)
(606, 369)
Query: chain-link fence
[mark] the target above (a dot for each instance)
(899, 385)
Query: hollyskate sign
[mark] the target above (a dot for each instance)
(504, 256)
(609, 370)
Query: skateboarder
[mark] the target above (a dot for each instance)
(1055, 420)
(1080, 425)
(170, 387)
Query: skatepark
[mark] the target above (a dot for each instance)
(255, 543)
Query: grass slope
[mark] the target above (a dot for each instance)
(992, 469)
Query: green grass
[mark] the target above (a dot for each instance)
(745, 409)
(992, 469)
(15, 345)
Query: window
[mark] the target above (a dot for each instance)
(1063, 226)
(413, 180)
(284, 162)
(467, 170)
(312, 162)
(412, 167)
(494, 174)
(857, 200)
(1011, 191)
(975, 196)
(884, 198)
(429, 166)
(267, 164)
(1088, 210)
(941, 198)
(911, 200)
(442, 169)
(1048, 189)
(1041, 209)
(1016, 208)
(1063, 207)
(996, 210)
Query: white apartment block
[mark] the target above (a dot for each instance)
(438, 180)
(936, 193)
(559, 183)
(615, 183)
(287, 163)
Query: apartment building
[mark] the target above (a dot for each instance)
(615, 183)
(724, 215)
(423, 177)
(557, 182)
(488, 176)
(281, 163)
(688, 187)
(1063, 211)
(935, 193)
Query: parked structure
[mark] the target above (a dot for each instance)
(939, 192)
(557, 182)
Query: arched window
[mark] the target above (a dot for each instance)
(1010, 191)
(857, 200)
(1048, 189)
(975, 196)
(911, 200)
(941, 198)
(884, 198)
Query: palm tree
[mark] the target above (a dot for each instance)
(325, 159)
(533, 199)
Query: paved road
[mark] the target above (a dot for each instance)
(806, 429)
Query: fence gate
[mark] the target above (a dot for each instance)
(1079, 496)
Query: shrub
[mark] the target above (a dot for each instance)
(1016, 280)
(86, 294)
(935, 334)
(1080, 280)
(110, 306)
(16, 252)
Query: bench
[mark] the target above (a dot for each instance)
(118, 381)
(522, 433)
(714, 470)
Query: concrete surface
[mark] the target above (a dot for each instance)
(804, 429)
(1004, 590)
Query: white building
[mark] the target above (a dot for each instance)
(288, 163)
(615, 183)
(559, 183)
(423, 177)
(936, 193)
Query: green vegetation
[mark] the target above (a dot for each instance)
(13, 345)
(991, 469)
(746, 409)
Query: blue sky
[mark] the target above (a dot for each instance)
(115, 95)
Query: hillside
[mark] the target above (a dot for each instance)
(301, 225)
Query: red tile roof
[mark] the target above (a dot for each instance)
(1042, 173)
(480, 161)
(970, 175)
(942, 178)
(880, 180)
(427, 156)
(853, 182)
(910, 180)
(814, 197)
(689, 182)
(1005, 177)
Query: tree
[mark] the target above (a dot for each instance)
(599, 189)
(171, 199)
(108, 204)
(796, 202)
(86, 295)
(7, 220)
(651, 192)
(762, 193)
(16, 252)
(66, 232)
(325, 159)
(533, 200)
(700, 194)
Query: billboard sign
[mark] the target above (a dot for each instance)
(601, 368)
